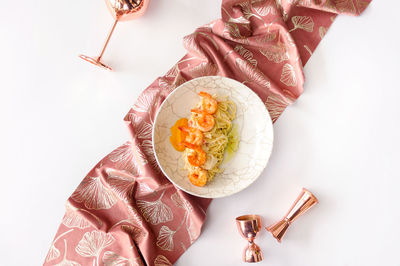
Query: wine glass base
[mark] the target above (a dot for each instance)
(95, 61)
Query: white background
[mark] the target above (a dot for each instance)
(60, 116)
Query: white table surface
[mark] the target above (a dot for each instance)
(60, 116)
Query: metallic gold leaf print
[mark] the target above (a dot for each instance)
(139, 155)
(163, 83)
(192, 230)
(280, 8)
(181, 202)
(54, 253)
(275, 106)
(145, 101)
(232, 30)
(191, 45)
(134, 118)
(165, 239)
(121, 184)
(144, 130)
(302, 22)
(155, 212)
(124, 158)
(345, 6)
(288, 76)
(264, 7)
(204, 69)
(74, 219)
(246, 9)
(152, 111)
(290, 40)
(289, 97)
(66, 262)
(252, 73)
(111, 258)
(144, 188)
(135, 232)
(209, 37)
(239, 20)
(322, 31)
(330, 5)
(246, 54)
(306, 3)
(276, 53)
(173, 72)
(134, 218)
(92, 243)
(308, 49)
(162, 261)
(147, 147)
(94, 194)
(183, 247)
(179, 80)
(361, 5)
(227, 54)
(265, 38)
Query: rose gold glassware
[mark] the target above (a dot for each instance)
(249, 226)
(301, 205)
(121, 10)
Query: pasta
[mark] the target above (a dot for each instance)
(214, 121)
(216, 140)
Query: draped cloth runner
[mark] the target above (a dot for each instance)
(125, 212)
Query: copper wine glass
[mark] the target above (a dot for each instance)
(121, 10)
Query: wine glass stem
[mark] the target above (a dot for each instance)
(107, 40)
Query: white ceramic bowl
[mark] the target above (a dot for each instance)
(254, 127)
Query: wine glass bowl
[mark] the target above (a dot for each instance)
(121, 10)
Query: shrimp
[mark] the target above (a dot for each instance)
(203, 121)
(209, 105)
(198, 177)
(196, 156)
(192, 135)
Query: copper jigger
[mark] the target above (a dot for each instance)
(302, 204)
(249, 226)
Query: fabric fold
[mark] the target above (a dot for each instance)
(125, 212)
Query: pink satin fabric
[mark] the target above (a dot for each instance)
(125, 212)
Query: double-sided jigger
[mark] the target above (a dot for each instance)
(249, 225)
(302, 204)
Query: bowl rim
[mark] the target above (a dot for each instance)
(268, 117)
